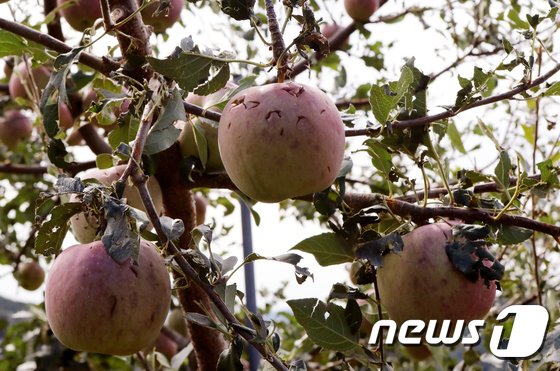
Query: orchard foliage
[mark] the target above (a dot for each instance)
(450, 112)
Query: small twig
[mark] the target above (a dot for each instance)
(423, 121)
(106, 12)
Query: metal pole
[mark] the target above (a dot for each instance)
(250, 290)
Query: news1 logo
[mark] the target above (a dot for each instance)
(526, 338)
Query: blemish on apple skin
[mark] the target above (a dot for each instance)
(236, 102)
(134, 270)
(269, 115)
(229, 125)
(322, 111)
(282, 132)
(300, 119)
(329, 169)
(113, 300)
(252, 104)
(294, 90)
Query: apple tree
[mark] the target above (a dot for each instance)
(421, 137)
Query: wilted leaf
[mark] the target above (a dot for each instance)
(164, 133)
(52, 232)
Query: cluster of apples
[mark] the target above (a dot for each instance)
(82, 14)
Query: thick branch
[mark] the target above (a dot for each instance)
(133, 38)
(93, 140)
(53, 27)
(105, 65)
(73, 169)
(420, 214)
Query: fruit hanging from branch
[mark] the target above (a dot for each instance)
(281, 141)
(15, 127)
(81, 14)
(85, 227)
(421, 282)
(22, 82)
(30, 275)
(163, 21)
(95, 304)
(361, 10)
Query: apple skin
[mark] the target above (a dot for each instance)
(186, 139)
(41, 76)
(330, 29)
(97, 305)
(30, 275)
(422, 283)
(162, 22)
(82, 14)
(361, 10)
(281, 140)
(65, 118)
(14, 128)
(84, 227)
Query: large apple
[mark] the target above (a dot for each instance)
(30, 275)
(85, 227)
(95, 304)
(21, 81)
(361, 10)
(162, 22)
(421, 283)
(281, 140)
(186, 139)
(14, 128)
(81, 14)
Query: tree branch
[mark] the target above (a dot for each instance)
(103, 65)
(73, 169)
(53, 27)
(426, 120)
(94, 141)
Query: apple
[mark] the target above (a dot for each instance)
(94, 304)
(65, 118)
(177, 322)
(421, 283)
(85, 227)
(162, 22)
(81, 14)
(200, 204)
(187, 137)
(14, 128)
(281, 140)
(330, 29)
(30, 275)
(361, 10)
(90, 96)
(21, 82)
(163, 344)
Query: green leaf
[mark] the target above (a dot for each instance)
(192, 70)
(327, 248)
(325, 324)
(52, 232)
(511, 235)
(164, 133)
(15, 45)
(549, 173)
(455, 138)
(104, 161)
(502, 170)
(380, 157)
(553, 89)
(384, 98)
